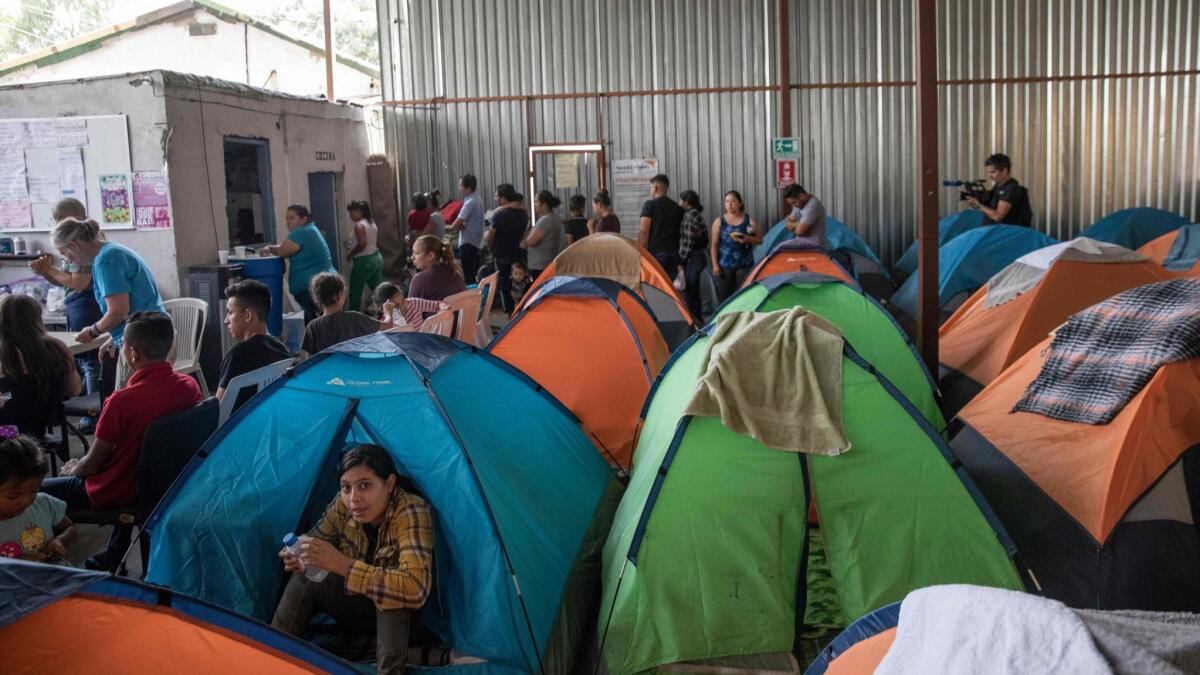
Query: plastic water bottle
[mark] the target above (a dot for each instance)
(314, 573)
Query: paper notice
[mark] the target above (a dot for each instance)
(631, 188)
(12, 175)
(40, 134)
(15, 215)
(71, 179)
(70, 133)
(44, 190)
(12, 134)
(566, 171)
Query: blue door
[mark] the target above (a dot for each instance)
(322, 202)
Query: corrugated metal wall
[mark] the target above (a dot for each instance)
(1084, 148)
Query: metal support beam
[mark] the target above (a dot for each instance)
(330, 54)
(785, 70)
(927, 180)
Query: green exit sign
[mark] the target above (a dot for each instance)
(785, 148)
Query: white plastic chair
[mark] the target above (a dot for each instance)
(258, 379)
(441, 323)
(483, 327)
(466, 304)
(188, 315)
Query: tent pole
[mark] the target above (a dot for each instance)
(927, 173)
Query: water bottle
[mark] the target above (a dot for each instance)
(19, 246)
(314, 573)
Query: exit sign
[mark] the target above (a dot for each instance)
(785, 148)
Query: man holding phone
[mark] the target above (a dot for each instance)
(807, 219)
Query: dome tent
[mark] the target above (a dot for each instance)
(1134, 228)
(510, 509)
(844, 246)
(949, 227)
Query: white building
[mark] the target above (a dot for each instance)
(202, 38)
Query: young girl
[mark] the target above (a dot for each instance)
(33, 525)
(396, 310)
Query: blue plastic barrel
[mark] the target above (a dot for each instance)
(269, 271)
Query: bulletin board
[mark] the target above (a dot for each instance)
(43, 160)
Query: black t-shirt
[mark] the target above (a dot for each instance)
(251, 354)
(509, 224)
(327, 331)
(665, 217)
(1019, 213)
(576, 227)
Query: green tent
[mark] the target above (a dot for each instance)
(709, 545)
(868, 328)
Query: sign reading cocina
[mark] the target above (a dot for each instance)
(325, 156)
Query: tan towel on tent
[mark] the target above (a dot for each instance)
(777, 378)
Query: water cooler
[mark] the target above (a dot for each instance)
(268, 270)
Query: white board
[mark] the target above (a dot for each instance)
(68, 152)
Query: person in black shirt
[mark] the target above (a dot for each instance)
(1008, 202)
(335, 325)
(660, 221)
(247, 306)
(575, 227)
(504, 237)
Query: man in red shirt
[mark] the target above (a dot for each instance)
(106, 476)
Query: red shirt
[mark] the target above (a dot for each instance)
(418, 220)
(152, 392)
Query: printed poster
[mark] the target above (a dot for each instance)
(566, 171)
(114, 199)
(151, 204)
(631, 189)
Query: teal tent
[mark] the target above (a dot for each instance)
(949, 227)
(1133, 228)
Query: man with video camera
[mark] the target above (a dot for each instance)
(1007, 202)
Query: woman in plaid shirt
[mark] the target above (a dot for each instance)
(376, 540)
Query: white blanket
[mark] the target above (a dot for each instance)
(981, 631)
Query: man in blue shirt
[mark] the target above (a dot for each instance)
(469, 226)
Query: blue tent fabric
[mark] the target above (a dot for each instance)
(949, 227)
(1133, 228)
(966, 262)
(1185, 250)
(840, 238)
(510, 508)
(867, 626)
(26, 587)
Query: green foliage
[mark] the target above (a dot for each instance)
(355, 25)
(29, 25)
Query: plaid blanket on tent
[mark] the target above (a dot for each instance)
(1106, 353)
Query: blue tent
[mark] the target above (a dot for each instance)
(949, 227)
(1185, 250)
(1133, 228)
(95, 616)
(513, 482)
(966, 262)
(840, 238)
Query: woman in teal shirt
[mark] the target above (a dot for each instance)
(309, 254)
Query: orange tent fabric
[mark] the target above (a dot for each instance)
(980, 341)
(611, 256)
(1158, 249)
(595, 346)
(1093, 472)
(89, 634)
(864, 657)
(787, 260)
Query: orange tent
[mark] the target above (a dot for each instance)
(594, 345)
(1024, 302)
(606, 255)
(1102, 514)
(63, 620)
(791, 257)
(1158, 248)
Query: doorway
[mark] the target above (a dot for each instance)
(566, 170)
(249, 207)
(324, 201)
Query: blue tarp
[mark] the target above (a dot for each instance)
(1185, 250)
(949, 227)
(838, 235)
(966, 262)
(1133, 228)
(509, 474)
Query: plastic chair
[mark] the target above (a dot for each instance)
(441, 323)
(483, 327)
(466, 304)
(256, 379)
(188, 315)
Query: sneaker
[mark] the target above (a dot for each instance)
(86, 425)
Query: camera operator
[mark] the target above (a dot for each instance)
(1007, 202)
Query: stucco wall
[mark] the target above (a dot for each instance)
(236, 52)
(147, 123)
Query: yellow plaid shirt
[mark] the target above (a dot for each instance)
(400, 574)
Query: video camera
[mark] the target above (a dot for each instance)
(970, 188)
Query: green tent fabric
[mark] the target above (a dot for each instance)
(868, 328)
(708, 542)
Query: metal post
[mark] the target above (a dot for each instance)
(330, 56)
(785, 71)
(927, 170)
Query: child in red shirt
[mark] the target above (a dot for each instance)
(106, 476)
